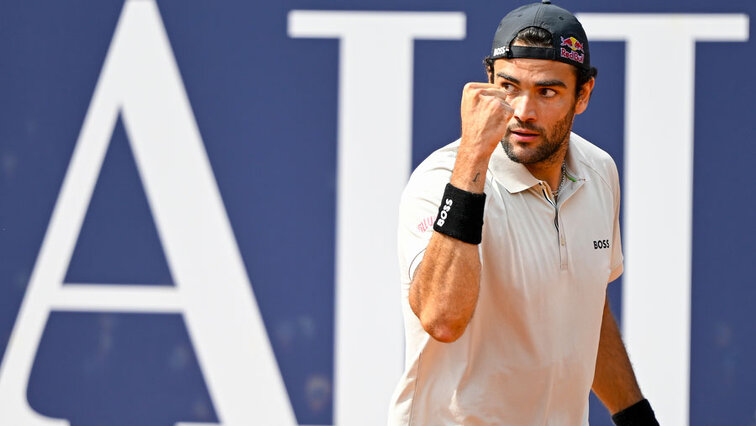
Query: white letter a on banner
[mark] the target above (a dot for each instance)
(141, 81)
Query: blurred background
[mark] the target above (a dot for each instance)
(198, 201)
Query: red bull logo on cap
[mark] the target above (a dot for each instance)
(572, 49)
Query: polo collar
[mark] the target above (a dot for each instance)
(516, 178)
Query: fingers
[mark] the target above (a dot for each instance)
(485, 114)
(478, 85)
(496, 99)
(499, 94)
(486, 102)
(486, 89)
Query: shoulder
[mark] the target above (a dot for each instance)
(595, 161)
(433, 172)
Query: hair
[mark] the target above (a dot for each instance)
(538, 37)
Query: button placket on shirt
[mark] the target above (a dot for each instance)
(570, 188)
(562, 244)
(561, 239)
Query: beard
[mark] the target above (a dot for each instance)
(552, 142)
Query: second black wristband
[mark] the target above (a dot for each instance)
(460, 215)
(638, 414)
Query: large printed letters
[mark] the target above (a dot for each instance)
(374, 140)
(140, 80)
(658, 189)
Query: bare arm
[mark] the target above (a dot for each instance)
(444, 290)
(614, 382)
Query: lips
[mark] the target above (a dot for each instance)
(524, 135)
(524, 132)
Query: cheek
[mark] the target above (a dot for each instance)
(558, 121)
(552, 115)
(556, 111)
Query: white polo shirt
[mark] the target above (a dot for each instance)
(528, 355)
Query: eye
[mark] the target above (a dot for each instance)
(548, 93)
(508, 87)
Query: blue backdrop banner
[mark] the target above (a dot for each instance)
(198, 201)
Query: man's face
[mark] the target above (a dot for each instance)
(542, 94)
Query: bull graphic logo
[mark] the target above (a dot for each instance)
(572, 48)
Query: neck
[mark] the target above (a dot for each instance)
(549, 170)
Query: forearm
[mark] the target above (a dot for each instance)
(444, 290)
(470, 168)
(614, 381)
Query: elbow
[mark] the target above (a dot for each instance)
(445, 334)
(442, 323)
(444, 330)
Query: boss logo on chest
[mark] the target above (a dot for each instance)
(601, 244)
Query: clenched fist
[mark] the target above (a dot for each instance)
(485, 115)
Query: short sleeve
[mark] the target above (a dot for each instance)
(417, 213)
(617, 258)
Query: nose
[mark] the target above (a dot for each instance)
(524, 108)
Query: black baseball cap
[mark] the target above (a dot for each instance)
(570, 45)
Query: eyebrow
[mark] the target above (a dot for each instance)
(551, 83)
(545, 83)
(507, 77)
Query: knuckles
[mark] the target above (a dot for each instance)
(494, 104)
(480, 106)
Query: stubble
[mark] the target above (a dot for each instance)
(553, 141)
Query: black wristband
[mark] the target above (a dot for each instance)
(638, 414)
(460, 215)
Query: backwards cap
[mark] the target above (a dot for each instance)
(570, 45)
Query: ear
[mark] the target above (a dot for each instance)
(585, 96)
